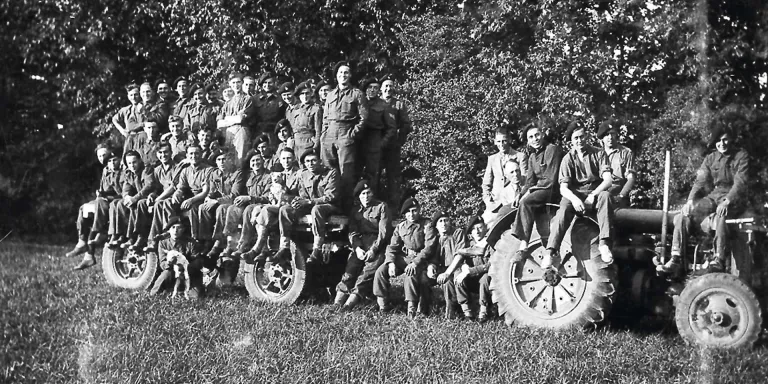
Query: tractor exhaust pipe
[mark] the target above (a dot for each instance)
(665, 207)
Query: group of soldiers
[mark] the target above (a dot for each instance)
(234, 171)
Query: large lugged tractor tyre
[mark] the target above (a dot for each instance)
(579, 296)
(128, 270)
(718, 310)
(278, 283)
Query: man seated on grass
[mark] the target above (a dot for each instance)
(369, 229)
(474, 271)
(408, 252)
(138, 183)
(585, 178)
(179, 241)
(84, 219)
(318, 196)
(450, 240)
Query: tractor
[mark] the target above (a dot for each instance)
(715, 310)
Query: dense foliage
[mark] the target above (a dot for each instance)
(666, 68)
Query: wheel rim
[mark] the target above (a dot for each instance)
(275, 279)
(130, 264)
(548, 295)
(718, 317)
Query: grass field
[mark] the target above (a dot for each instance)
(61, 326)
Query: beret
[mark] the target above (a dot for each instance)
(339, 65)
(160, 81)
(437, 215)
(360, 187)
(607, 126)
(408, 204)
(178, 79)
(265, 76)
(301, 87)
(286, 87)
(367, 82)
(263, 138)
(388, 77)
(235, 75)
(282, 124)
(211, 87)
(307, 153)
(173, 221)
(572, 126)
(277, 167)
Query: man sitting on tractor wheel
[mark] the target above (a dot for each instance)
(585, 177)
(622, 163)
(318, 196)
(726, 169)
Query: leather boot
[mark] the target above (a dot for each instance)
(88, 261)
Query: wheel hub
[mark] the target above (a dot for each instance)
(276, 279)
(552, 278)
(131, 265)
(717, 315)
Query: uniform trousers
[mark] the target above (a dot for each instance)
(391, 162)
(337, 149)
(319, 213)
(415, 287)
(566, 213)
(358, 274)
(369, 153)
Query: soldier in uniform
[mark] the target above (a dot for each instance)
(145, 143)
(183, 99)
(235, 118)
(474, 271)
(411, 253)
(84, 219)
(370, 226)
(391, 152)
(621, 160)
(284, 134)
(192, 189)
(450, 240)
(109, 190)
(247, 206)
(179, 241)
(263, 146)
(178, 138)
(226, 183)
(199, 113)
(345, 113)
(380, 130)
(249, 86)
(540, 188)
(322, 90)
(166, 174)
(724, 173)
(153, 108)
(319, 197)
(286, 94)
(163, 89)
(585, 177)
(128, 120)
(304, 119)
(213, 98)
(269, 105)
(138, 183)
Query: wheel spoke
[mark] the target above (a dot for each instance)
(535, 295)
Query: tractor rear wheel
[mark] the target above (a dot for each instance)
(718, 310)
(579, 295)
(280, 282)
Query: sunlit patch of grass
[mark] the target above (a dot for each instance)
(62, 326)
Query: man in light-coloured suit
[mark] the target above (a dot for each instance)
(494, 179)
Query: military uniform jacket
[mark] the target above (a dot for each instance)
(322, 188)
(192, 180)
(141, 185)
(178, 147)
(727, 172)
(479, 265)
(346, 106)
(409, 238)
(449, 244)
(370, 227)
(304, 119)
(158, 110)
(269, 108)
(584, 176)
(183, 246)
(130, 118)
(199, 116)
(225, 186)
(241, 105)
(381, 119)
(257, 186)
(111, 184)
(291, 179)
(181, 107)
(166, 176)
(399, 111)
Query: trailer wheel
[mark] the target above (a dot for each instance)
(281, 282)
(129, 269)
(579, 295)
(718, 310)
